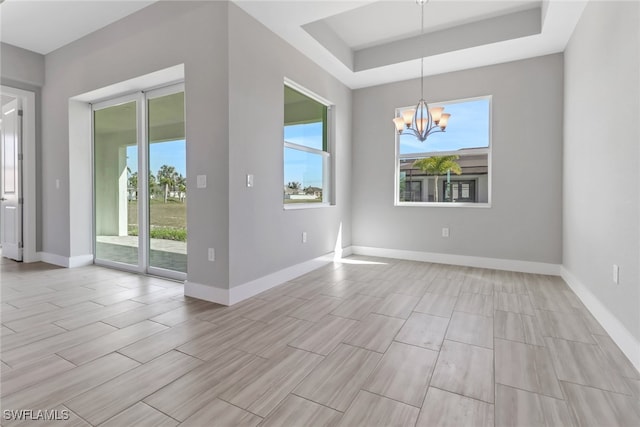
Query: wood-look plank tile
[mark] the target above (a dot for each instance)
(371, 410)
(477, 286)
(32, 373)
(563, 325)
(221, 315)
(306, 290)
(160, 296)
(375, 332)
(475, 304)
(342, 289)
(519, 407)
(508, 326)
(325, 335)
(397, 305)
(634, 386)
(532, 333)
(526, 367)
(336, 380)
(267, 390)
(38, 333)
(275, 309)
(412, 287)
(512, 287)
(39, 349)
(52, 316)
(445, 409)
(14, 314)
(470, 328)
(357, 307)
(597, 408)
(69, 384)
(403, 374)
(616, 357)
(109, 399)
(223, 414)
(317, 308)
(436, 305)
(442, 286)
(93, 349)
(513, 302)
(124, 294)
(269, 341)
(140, 415)
(593, 325)
(197, 388)
(585, 364)
(183, 313)
(132, 317)
(98, 314)
(465, 369)
(295, 410)
(159, 343)
(217, 339)
(423, 330)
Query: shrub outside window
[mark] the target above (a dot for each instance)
(449, 168)
(307, 155)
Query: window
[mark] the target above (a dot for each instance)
(449, 167)
(307, 157)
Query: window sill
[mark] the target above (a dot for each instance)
(298, 206)
(443, 205)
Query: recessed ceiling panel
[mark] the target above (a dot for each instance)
(386, 21)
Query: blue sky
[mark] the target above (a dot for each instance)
(171, 153)
(300, 166)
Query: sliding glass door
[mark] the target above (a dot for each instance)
(140, 182)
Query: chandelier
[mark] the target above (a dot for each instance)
(422, 121)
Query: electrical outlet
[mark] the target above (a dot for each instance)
(212, 254)
(616, 274)
(304, 237)
(445, 232)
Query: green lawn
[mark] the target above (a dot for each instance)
(168, 220)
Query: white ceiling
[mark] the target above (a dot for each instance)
(360, 42)
(43, 26)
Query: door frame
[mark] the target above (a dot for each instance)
(29, 206)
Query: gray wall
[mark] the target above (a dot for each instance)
(524, 221)
(162, 35)
(23, 69)
(264, 238)
(21, 65)
(601, 156)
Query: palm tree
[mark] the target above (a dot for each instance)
(167, 177)
(438, 165)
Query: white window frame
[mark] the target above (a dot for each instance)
(327, 156)
(468, 151)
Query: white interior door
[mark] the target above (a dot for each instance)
(10, 194)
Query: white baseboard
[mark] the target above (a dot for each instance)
(63, 261)
(629, 345)
(264, 283)
(467, 261)
(54, 259)
(207, 293)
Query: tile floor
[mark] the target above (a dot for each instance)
(367, 342)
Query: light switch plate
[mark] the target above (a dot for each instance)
(201, 181)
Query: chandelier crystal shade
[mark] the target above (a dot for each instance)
(422, 121)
